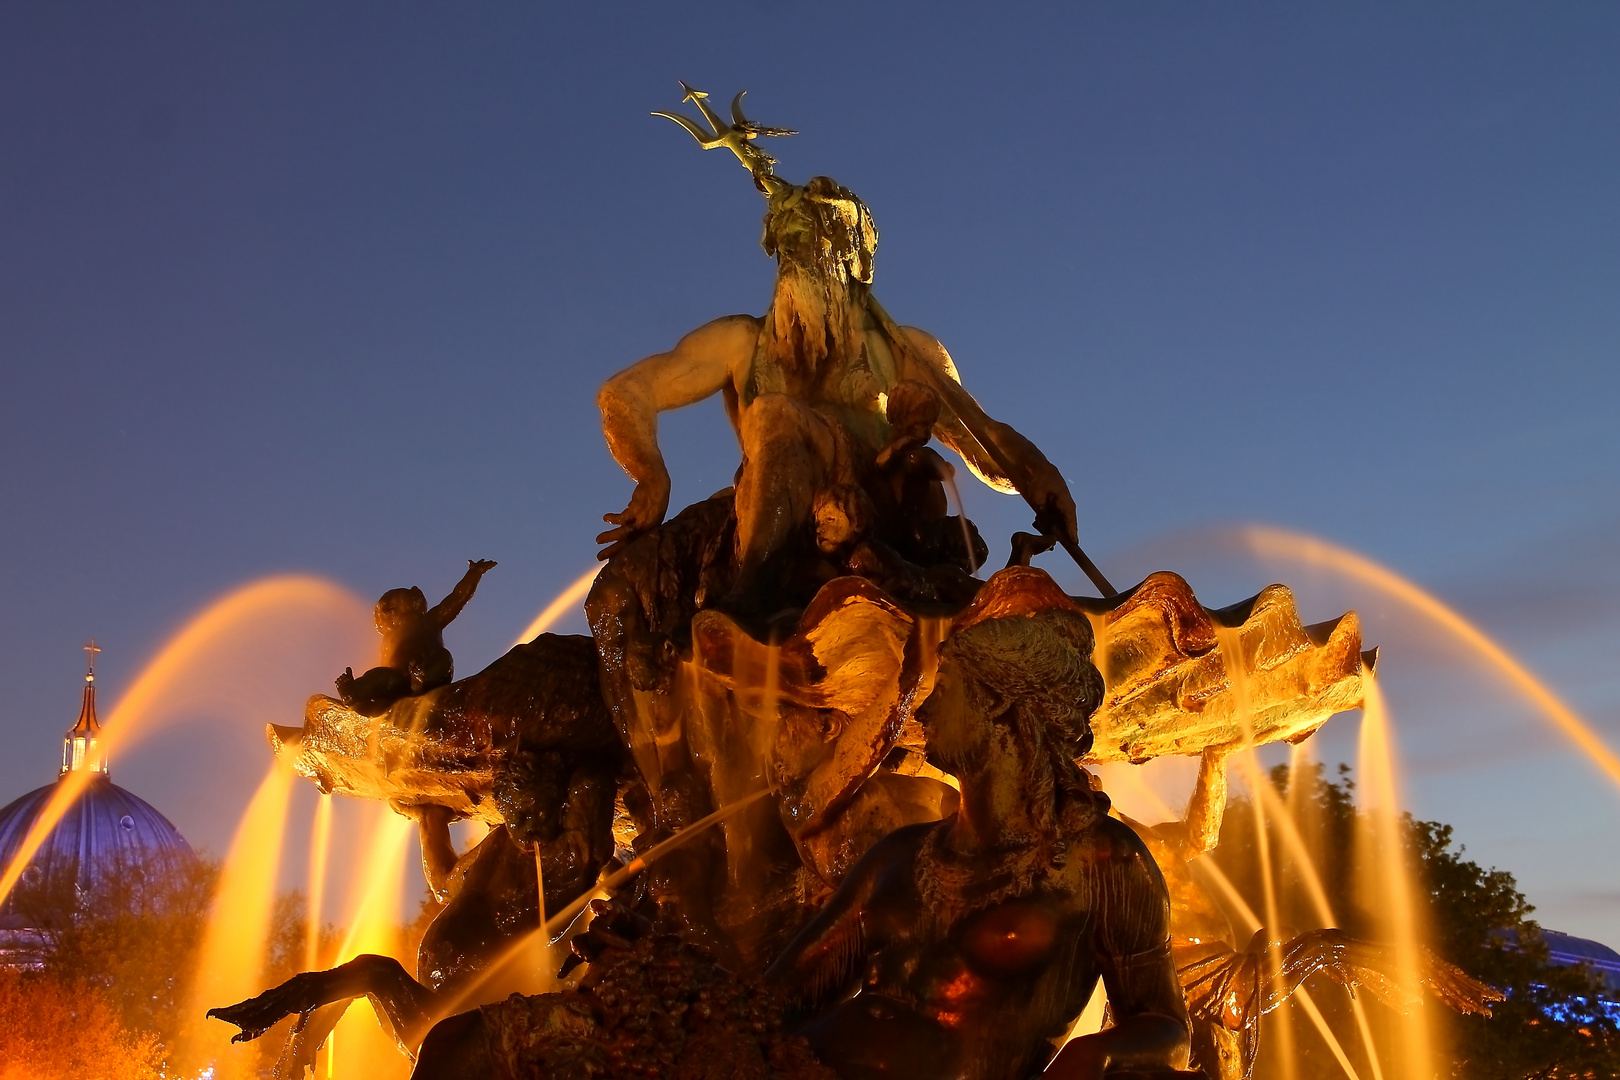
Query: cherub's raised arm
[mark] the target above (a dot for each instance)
(699, 365)
(445, 611)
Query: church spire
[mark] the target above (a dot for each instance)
(81, 746)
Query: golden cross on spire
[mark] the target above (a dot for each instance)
(90, 650)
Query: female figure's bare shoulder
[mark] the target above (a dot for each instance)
(1111, 843)
(1122, 840)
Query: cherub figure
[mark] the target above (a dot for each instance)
(846, 540)
(413, 659)
(964, 947)
(915, 473)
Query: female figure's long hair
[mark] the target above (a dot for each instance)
(1034, 672)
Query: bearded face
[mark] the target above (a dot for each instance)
(823, 239)
(823, 229)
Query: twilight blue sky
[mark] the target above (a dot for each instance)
(328, 288)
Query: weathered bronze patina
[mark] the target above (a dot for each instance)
(909, 872)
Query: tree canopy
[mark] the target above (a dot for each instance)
(116, 978)
(1553, 1024)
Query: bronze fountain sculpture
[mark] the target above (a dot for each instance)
(414, 659)
(826, 783)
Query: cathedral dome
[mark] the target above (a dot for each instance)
(107, 837)
(107, 831)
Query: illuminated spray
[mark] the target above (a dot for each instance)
(320, 841)
(1383, 869)
(1302, 834)
(1237, 675)
(1206, 870)
(376, 894)
(230, 963)
(177, 681)
(566, 600)
(1313, 552)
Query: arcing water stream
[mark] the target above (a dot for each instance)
(375, 916)
(233, 951)
(1119, 777)
(1269, 543)
(320, 847)
(203, 669)
(566, 603)
(1237, 673)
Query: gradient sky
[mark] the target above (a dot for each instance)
(328, 288)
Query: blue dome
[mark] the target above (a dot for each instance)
(107, 831)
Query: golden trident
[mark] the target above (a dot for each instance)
(736, 136)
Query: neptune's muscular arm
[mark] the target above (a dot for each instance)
(699, 365)
(995, 451)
